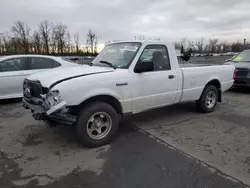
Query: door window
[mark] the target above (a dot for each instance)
(15, 64)
(56, 64)
(157, 55)
(42, 63)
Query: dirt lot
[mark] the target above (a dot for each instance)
(168, 147)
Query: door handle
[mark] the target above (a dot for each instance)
(171, 76)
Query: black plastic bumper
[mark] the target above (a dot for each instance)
(34, 107)
(62, 119)
(242, 81)
(39, 113)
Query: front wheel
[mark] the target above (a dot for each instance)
(97, 124)
(208, 99)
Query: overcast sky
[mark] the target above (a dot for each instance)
(123, 19)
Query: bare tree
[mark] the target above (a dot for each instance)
(184, 42)
(207, 48)
(45, 32)
(12, 45)
(6, 43)
(1, 44)
(91, 38)
(219, 48)
(177, 45)
(213, 45)
(200, 44)
(22, 31)
(191, 44)
(16, 45)
(37, 42)
(226, 47)
(247, 45)
(68, 42)
(237, 46)
(53, 41)
(77, 38)
(86, 49)
(60, 36)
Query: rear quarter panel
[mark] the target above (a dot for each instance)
(196, 78)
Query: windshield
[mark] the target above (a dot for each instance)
(243, 56)
(120, 55)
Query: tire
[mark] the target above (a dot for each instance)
(87, 126)
(202, 104)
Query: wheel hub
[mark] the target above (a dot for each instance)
(211, 99)
(99, 125)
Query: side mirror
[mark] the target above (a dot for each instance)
(144, 66)
(186, 56)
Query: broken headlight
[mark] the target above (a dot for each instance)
(53, 98)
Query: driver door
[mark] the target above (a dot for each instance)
(156, 87)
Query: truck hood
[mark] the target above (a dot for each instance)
(50, 78)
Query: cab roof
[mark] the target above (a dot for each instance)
(146, 42)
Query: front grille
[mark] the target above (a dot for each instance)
(32, 89)
(242, 72)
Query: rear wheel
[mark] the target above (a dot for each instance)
(208, 99)
(97, 124)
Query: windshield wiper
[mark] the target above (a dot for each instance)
(108, 63)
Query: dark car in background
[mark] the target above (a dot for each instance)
(242, 65)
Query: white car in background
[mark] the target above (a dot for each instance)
(14, 68)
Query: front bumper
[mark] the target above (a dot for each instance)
(58, 113)
(242, 81)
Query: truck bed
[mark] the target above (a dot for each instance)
(196, 76)
(193, 65)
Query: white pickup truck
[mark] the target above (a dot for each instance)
(125, 78)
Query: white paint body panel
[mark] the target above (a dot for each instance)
(195, 79)
(139, 92)
(11, 82)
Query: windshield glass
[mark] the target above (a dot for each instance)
(120, 55)
(243, 56)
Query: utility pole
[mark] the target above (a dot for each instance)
(244, 43)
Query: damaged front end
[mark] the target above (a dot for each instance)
(45, 104)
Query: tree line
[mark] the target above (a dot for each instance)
(55, 39)
(47, 38)
(210, 46)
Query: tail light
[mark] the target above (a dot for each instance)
(235, 72)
